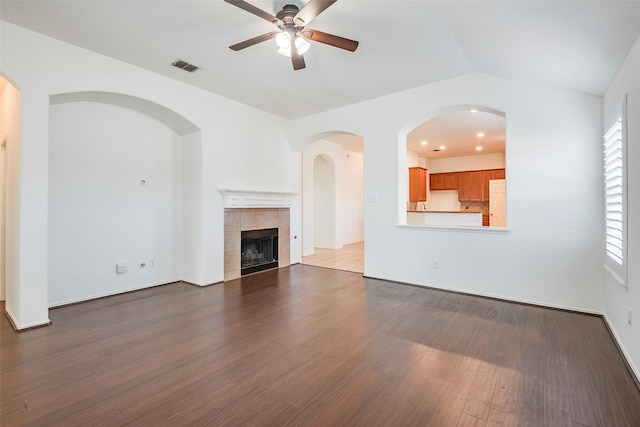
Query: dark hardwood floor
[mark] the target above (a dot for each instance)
(312, 346)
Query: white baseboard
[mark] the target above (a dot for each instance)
(632, 367)
(18, 327)
(495, 296)
(108, 294)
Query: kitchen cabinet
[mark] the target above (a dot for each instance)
(417, 184)
(443, 181)
(470, 186)
(463, 186)
(473, 186)
(486, 177)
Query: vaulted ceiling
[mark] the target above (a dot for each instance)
(577, 45)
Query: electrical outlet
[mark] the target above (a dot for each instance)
(436, 263)
(630, 317)
(121, 267)
(142, 264)
(152, 263)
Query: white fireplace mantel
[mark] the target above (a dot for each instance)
(256, 199)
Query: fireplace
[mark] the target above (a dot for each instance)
(259, 250)
(237, 220)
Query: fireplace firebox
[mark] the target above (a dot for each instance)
(259, 250)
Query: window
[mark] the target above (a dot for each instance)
(615, 187)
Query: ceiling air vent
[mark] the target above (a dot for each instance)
(184, 65)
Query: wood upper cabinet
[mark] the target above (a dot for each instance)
(417, 185)
(473, 186)
(443, 181)
(464, 185)
(486, 177)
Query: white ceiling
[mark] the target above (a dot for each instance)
(577, 45)
(457, 132)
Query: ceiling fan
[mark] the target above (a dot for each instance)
(292, 35)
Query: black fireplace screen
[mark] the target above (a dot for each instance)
(259, 250)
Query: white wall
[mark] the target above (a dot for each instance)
(2, 194)
(351, 191)
(10, 100)
(468, 163)
(412, 159)
(99, 213)
(619, 300)
(237, 141)
(443, 200)
(3, 169)
(324, 203)
(552, 252)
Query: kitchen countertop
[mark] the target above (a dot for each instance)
(448, 218)
(447, 212)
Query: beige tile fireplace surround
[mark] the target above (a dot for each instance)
(243, 219)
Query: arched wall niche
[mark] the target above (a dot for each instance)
(169, 239)
(175, 121)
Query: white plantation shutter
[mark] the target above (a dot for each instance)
(615, 177)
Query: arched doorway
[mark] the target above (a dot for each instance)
(333, 203)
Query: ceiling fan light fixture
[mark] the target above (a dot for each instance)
(283, 40)
(285, 51)
(302, 45)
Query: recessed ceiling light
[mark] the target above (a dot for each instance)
(480, 134)
(478, 148)
(442, 147)
(473, 110)
(423, 143)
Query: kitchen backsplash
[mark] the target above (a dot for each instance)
(474, 207)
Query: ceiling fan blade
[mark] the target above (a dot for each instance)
(311, 10)
(330, 39)
(255, 40)
(256, 11)
(296, 58)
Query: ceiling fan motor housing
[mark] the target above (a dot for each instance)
(288, 12)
